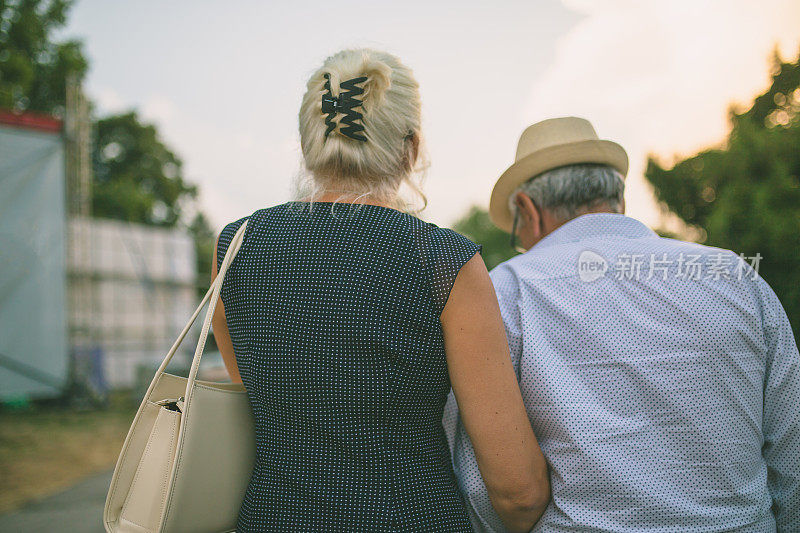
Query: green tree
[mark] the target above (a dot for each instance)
(496, 242)
(136, 177)
(204, 240)
(745, 194)
(34, 68)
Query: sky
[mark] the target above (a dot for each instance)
(223, 81)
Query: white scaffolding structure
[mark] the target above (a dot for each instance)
(141, 281)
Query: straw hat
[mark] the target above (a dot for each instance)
(550, 144)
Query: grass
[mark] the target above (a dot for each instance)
(44, 449)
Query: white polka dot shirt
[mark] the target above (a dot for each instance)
(665, 397)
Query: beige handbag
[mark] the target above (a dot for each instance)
(188, 457)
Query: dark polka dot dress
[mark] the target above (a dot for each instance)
(334, 316)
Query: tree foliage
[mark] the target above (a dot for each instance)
(33, 67)
(136, 177)
(745, 194)
(496, 242)
(204, 241)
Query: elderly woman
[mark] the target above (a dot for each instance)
(348, 319)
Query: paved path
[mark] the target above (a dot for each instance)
(78, 509)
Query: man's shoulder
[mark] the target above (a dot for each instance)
(689, 247)
(562, 261)
(529, 262)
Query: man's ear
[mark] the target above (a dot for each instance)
(622, 206)
(529, 214)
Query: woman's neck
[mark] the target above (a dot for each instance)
(348, 197)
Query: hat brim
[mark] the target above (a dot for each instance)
(589, 151)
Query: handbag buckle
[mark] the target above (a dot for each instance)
(172, 405)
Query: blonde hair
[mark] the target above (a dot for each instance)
(391, 156)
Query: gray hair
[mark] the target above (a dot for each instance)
(569, 191)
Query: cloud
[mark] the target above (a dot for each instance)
(156, 108)
(107, 100)
(159, 109)
(239, 170)
(659, 76)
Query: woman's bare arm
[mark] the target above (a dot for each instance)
(489, 400)
(220, 325)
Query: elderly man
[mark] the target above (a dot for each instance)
(661, 377)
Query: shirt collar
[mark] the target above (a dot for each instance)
(594, 225)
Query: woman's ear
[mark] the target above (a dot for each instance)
(412, 150)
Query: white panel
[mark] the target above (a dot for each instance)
(33, 326)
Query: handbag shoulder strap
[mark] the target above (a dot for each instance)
(233, 249)
(213, 295)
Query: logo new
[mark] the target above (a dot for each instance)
(591, 266)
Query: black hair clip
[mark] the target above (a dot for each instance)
(344, 104)
(329, 104)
